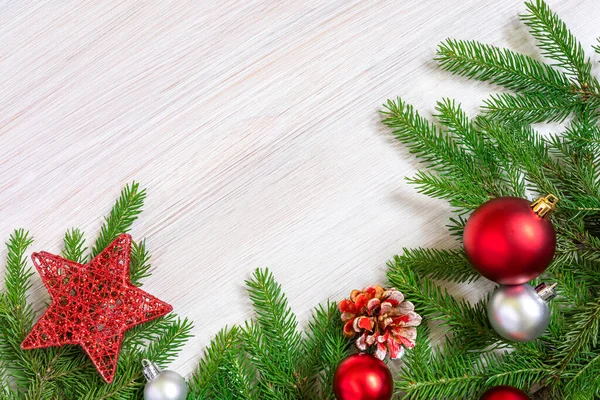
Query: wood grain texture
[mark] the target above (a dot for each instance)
(253, 124)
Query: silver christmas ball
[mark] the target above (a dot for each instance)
(163, 385)
(520, 313)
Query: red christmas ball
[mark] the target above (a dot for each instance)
(504, 393)
(363, 377)
(508, 242)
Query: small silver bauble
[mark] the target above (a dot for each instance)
(520, 313)
(163, 385)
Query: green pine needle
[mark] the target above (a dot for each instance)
(530, 107)
(324, 347)
(139, 268)
(468, 322)
(74, 247)
(224, 372)
(16, 280)
(582, 336)
(448, 265)
(556, 41)
(500, 66)
(121, 217)
(16, 315)
(272, 340)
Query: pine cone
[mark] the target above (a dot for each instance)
(381, 317)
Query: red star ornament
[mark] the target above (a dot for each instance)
(92, 304)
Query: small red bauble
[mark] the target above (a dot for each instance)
(510, 240)
(363, 377)
(504, 393)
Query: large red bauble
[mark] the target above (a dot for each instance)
(507, 242)
(504, 393)
(363, 377)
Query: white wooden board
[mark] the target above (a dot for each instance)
(254, 126)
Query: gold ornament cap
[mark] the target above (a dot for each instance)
(545, 206)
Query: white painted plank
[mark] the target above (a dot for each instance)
(253, 124)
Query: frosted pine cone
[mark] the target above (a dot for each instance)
(381, 317)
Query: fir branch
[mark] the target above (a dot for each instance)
(447, 374)
(237, 382)
(136, 338)
(500, 66)
(581, 177)
(139, 268)
(16, 316)
(529, 107)
(582, 136)
(451, 115)
(581, 244)
(336, 349)
(74, 247)
(517, 370)
(122, 215)
(556, 41)
(597, 47)
(447, 265)
(469, 323)
(582, 378)
(583, 335)
(529, 153)
(456, 192)
(569, 280)
(272, 341)
(324, 347)
(416, 362)
(127, 384)
(273, 314)
(452, 373)
(224, 372)
(486, 158)
(422, 137)
(592, 224)
(565, 360)
(18, 274)
(203, 379)
(456, 227)
(165, 346)
(439, 152)
(425, 140)
(276, 377)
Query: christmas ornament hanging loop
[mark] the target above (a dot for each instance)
(545, 206)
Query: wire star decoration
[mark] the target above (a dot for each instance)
(92, 304)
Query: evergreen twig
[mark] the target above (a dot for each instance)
(510, 156)
(121, 217)
(272, 340)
